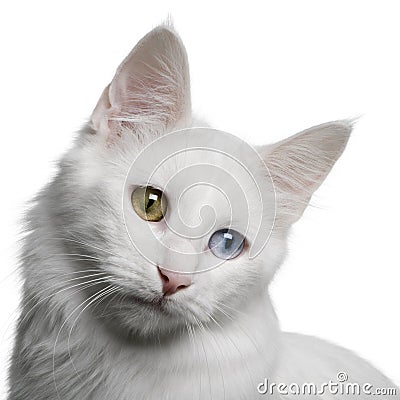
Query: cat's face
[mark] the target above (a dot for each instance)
(185, 238)
(187, 226)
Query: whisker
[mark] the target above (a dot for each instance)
(76, 254)
(100, 297)
(85, 244)
(92, 282)
(240, 326)
(200, 325)
(59, 332)
(92, 259)
(209, 330)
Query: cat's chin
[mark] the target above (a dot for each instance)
(154, 316)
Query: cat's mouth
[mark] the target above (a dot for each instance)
(154, 304)
(159, 302)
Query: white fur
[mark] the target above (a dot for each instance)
(218, 338)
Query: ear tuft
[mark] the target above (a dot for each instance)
(150, 87)
(299, 164)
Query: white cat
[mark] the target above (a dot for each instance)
(110, 314)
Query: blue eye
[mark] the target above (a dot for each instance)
(226, 243)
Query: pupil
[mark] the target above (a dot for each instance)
(151, 200)
(149, 203)
(228, 240)
(228, 243)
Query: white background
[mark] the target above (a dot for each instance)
(262, 71)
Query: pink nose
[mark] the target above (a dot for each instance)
(173, 281)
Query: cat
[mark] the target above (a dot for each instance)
(105, 312)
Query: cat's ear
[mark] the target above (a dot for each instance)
(150, 87)
(298, 165)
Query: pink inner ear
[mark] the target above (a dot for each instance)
(299, 164)
(101, 108)
(151, 99)
(151, 86)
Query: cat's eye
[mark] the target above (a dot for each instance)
(149, 203)
(226, 243)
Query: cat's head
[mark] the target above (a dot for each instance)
(137, 219)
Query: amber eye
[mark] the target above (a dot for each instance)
(149, 203)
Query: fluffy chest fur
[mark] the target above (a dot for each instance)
(83, 359)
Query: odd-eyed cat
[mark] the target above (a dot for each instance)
(100, 320)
